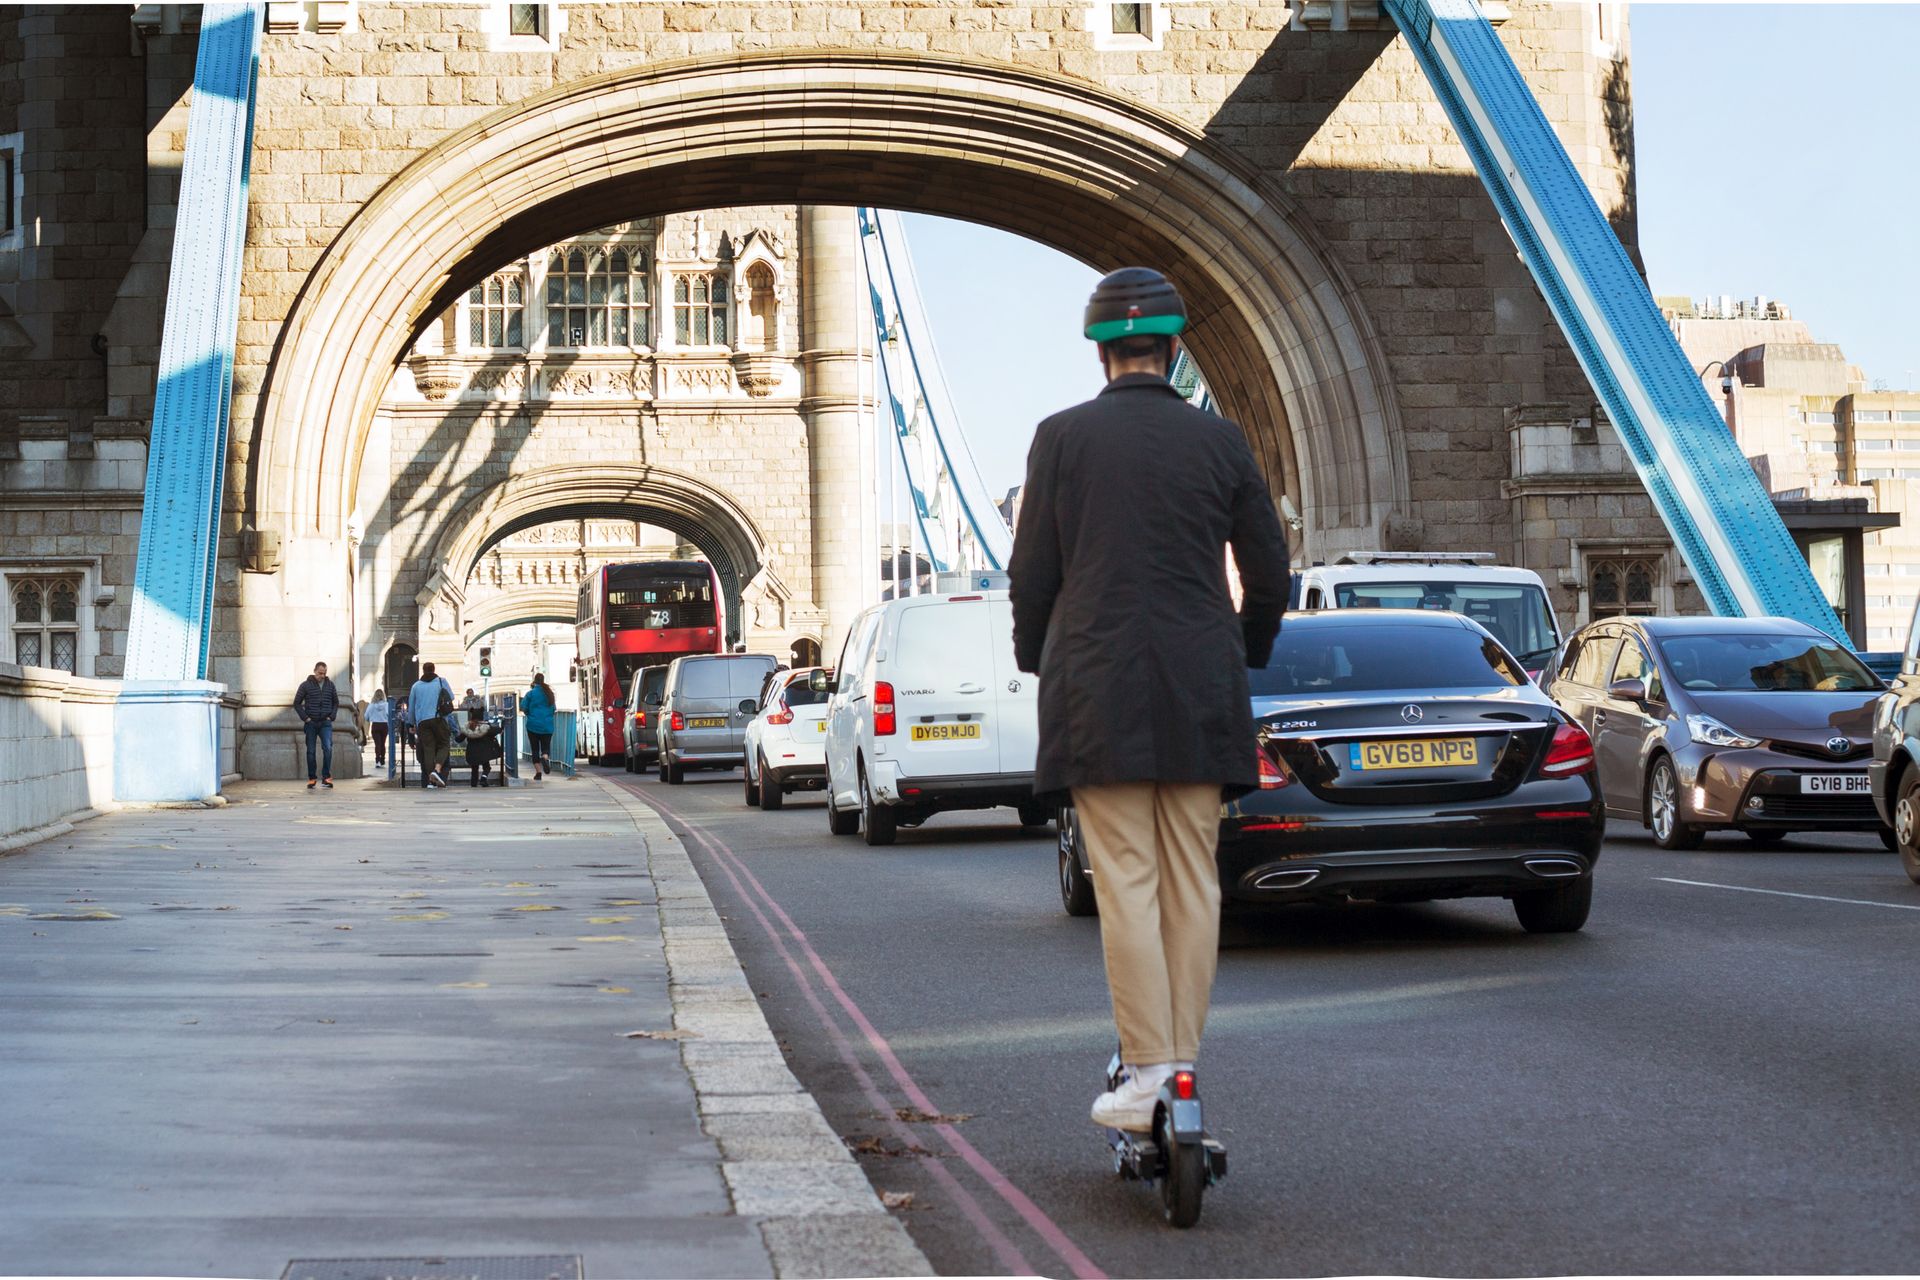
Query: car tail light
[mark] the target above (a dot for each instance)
(1571, 752)
(884, 724)
(783, 716)
(1272, 776)
(678, 722)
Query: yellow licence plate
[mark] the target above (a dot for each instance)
(1413, 753)
(944, 732)
(707, 722)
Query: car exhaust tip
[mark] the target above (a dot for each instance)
(1554, 868)
(1297, 879)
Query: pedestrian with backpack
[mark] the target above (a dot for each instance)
(431, 702)
(537, 706)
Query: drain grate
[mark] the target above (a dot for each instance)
(541, 1266)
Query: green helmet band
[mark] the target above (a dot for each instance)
(1136, 326)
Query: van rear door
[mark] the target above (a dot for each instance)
(1016, 695)
(940, 664)
(748, 675)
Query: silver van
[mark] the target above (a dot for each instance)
(709, 701)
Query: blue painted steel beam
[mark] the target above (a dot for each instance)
(1727, 528)
(170, 628)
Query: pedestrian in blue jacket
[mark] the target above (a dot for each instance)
(537, 706)
(316, 702)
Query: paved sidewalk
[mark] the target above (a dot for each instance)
(369, 1023)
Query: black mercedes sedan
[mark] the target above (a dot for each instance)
(1404, 756)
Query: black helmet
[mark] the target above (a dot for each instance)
(1134, 301)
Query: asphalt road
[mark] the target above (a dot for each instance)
(1711, 1077)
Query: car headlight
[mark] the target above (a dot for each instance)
(1709, 732)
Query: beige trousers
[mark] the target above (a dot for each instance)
(1151, 847)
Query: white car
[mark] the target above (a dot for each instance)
(1508, 601)
(930, 713)
(786, 743)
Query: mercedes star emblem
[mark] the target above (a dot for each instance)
(1412, 714)
(1013, 686)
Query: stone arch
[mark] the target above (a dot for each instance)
(509, 608)
(1277, 325)
(706, 517)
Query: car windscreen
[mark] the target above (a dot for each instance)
(1515, 612)
(1330, 661)
(706, 679)
(799, 694)
(1764, 663)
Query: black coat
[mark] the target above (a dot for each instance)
(1120, 597)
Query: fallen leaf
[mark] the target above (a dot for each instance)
(627, 902)
(75, 915)
(223, 908)
(463, 986)
(911, 1115)
(897, 1199)
(345, 928)
(189, 1022)
(607, 919)
(615, 991)
(537, 906)
(878, 1147)
(366, 859)
(605, 937)
(678, 1033)
(422, 915)
(328, 1021)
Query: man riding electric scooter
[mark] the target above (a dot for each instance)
(1121, 605)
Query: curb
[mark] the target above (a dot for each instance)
(34, 835)
(783, 1163)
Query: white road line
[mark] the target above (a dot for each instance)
(1782, 893)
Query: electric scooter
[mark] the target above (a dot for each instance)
(1176, 1152)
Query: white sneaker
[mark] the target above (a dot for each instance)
(1130, 1106)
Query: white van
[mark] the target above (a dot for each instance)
(1510, 602)
(928, 712)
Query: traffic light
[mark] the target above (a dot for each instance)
(486, 660)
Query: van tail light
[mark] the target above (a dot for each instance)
(1570, 754)
(884, 723)
(640, 719)
(1272, 776)
(678, 722)
(783, 716)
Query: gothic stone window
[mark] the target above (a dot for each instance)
(597, 297)
(761, 324)
(46, 622)
(1622, 585)
(699, 311)
(527, 19)
(496, 313)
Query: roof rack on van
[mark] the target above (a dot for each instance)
(1415, 557)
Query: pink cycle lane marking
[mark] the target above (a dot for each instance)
(1036, 1218)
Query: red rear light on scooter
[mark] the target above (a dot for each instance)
(1570, 754)
(783, 716)
(884, 723)
(1183, 1087)
(1272, 776)
(678, 722)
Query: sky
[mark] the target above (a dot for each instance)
(1778, 153)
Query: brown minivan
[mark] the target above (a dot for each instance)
(1764, 725)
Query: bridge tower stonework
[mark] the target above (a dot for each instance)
(1357, 306)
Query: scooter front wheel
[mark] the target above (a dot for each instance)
(1183, 1178)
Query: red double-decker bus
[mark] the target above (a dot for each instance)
(632, 616)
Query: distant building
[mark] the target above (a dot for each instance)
(1841, 460)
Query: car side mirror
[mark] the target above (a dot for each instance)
(823, 682)
(619, 704)
(1628, 690)
(749, 706)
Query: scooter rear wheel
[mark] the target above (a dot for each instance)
(1183, 1178)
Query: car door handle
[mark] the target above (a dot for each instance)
(970, 687)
